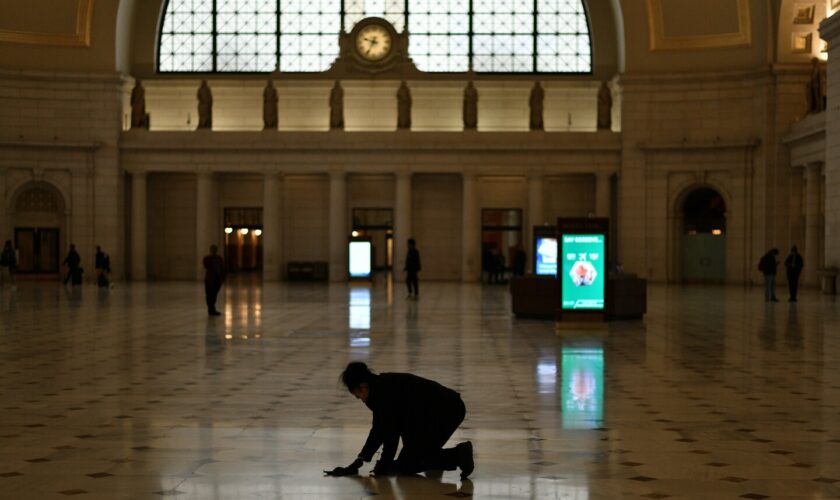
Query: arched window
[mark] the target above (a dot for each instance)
(488, 36)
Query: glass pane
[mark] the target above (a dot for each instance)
(308, 34)
(563, 44)
(439, 40)
(186, 42)
(392, 11)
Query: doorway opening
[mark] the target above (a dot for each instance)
(38, 222)
(243, 240)
(703, 237)
(378, 225)
(37, 250)
(501, 244)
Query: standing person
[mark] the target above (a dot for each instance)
(421, 412)
(767, 265)
(214, 277)
(72, 261)
(103, 267)
(8, 259)
(412, 267)
(519, 259)
(794, 264)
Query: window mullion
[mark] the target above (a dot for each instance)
(534, 34)
(470, 36)
(214, 36)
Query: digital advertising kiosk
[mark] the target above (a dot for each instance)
(582, 270)
(360, 258)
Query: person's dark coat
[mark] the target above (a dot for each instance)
(409, 407)
(794, 264)
(100, 260)
(767, 264)
(214, 271)
(73, 259)
(412, 261)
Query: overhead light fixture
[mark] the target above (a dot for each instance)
(717, 232)
(243, 231)
(355, 234)
(228, 230)
(258, 232)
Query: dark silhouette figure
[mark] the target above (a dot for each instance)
(138, 106)
(816, 88)
(767, 265)
(793, 265)
(205, 106)
(8, 259)
(536, 106)
(412, 267)
(470, 107)
(403, 107)
(337, 107)
(214, 277)
(519, 259)
(270, 106)
(605, 103)
(421, 412)
(73, 262)
(103, 268)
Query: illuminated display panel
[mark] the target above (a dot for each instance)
(360, 259)
(546, 256)
(583, 273)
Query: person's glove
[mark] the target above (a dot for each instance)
(385, 468)
(350, 470)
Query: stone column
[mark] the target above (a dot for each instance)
(830, 32)
(138, 226)
(272, 241)
(203, 234)
(470, 231)
(338, 226)
(813, 224)
(602, 194)
(402, 222)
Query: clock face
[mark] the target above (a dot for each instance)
(373, 42)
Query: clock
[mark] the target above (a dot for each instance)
(374, 41)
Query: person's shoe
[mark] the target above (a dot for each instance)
(774, 299)
(215, 313)
(465, 459)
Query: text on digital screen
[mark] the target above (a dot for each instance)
(583, 272)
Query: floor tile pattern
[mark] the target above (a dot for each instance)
(136, 393)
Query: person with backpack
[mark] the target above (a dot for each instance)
(103, 268)
(767, 265)
(73, 262)
(793, 265)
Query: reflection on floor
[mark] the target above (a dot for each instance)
(135, 393)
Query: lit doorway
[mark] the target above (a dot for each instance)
(501, 242)
(704, 237)
(378, 225)
(243, 240)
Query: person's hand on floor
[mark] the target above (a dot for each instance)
(350, 470)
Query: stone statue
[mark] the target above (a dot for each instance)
(403, 107)
(470, 107)
(205, 106)
(337, 107)
(270, 106)
(536, 105)
(605, 103)
(138, 106)
(816, 89)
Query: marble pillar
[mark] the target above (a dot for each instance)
(402, 222)
(203, 214)
(813, 223)
(272, 241)
(470, 230)
(338, 226)
(830, 32)
(138, 226)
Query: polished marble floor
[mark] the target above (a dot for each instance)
(136, 393)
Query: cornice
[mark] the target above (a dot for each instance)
(830, 28)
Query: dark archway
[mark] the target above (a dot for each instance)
(704, 237)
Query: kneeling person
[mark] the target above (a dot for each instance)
(422, 412)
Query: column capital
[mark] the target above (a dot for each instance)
(136, 172)
(204, 172)
(815, 166)
(403, 174)
(273, 174)
(830, 29)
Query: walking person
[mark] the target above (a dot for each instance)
(214, 277)
(767, 265)
(412, 267)
(74, 270)
(421, 412)
(8, 260)
(103, 268)
(793, 265)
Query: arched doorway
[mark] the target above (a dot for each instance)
(37, 217)
(703, 237)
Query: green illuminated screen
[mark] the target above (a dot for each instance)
(583, 273)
